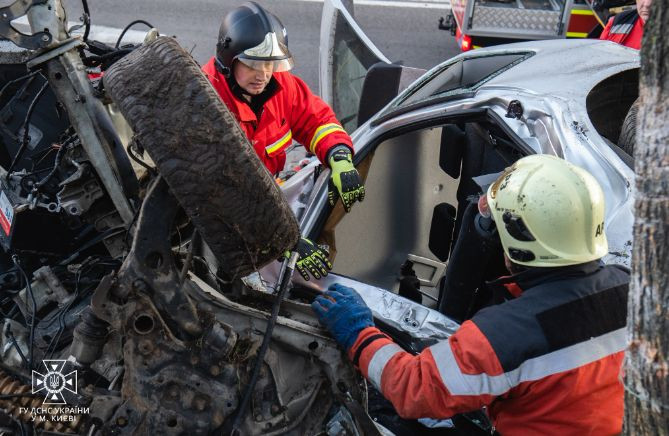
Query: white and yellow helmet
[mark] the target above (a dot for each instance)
(548, 212)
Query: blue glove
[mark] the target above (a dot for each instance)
(344, 313)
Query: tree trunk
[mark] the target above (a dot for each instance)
(647, 370)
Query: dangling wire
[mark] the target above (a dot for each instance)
(26, 130)
(133, 156)
(118, 42)
(59, 156)
(11, 82)
(33, 317)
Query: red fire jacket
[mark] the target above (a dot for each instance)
(545, 363)
(291, 112)
(625, 28)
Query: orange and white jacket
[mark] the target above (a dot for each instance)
(545, 363)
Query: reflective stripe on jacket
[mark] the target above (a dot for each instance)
(293, 112)
(545, 363)
(625, 28)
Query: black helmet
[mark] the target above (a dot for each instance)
(255, 37)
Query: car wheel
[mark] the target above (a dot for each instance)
(627, 137)
(204, 156)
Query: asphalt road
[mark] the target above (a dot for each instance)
(408, 33)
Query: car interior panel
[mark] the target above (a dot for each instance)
(415, 209)
(404, 184)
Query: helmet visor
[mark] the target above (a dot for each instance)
(271, 55)
(268, 66)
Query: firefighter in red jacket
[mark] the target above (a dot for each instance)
(546, 361)
(626, 28)
(273, 107)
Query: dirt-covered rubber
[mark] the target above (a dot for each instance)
(204, 156)
(627, 137)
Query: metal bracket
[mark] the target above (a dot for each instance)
(15, 10)
(78, 192)
(149, 268)
(437, 269)
(63, 47)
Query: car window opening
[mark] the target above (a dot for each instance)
(461, 76)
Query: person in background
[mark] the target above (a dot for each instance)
(626, 28)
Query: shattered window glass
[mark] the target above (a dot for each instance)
(350, 61)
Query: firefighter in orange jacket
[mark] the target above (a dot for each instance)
(273, 107)
(545, 362)
(626, 28)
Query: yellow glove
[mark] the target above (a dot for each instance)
(344, 181)
(313, 259)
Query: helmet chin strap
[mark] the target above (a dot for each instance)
(222, 68)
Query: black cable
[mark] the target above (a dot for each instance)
(56, 163)
(287, 269)
(63, 146)
(120, 37)
(87, 19)
(27, 76)
(107, 233)
(26, 123)
(98, 261)
(151, 170)
(98, 60)
(34, 173)
(15, 259)
(42, 154)
(87, 266)
(61, 318)
(15, 344)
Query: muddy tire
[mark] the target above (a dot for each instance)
(204, 156)
(627, 137)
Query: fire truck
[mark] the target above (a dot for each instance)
(480, 23)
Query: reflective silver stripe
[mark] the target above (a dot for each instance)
(378, 363)
(458, 383)
(537, 368)
(620, 29)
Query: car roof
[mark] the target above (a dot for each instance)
(561, 67)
